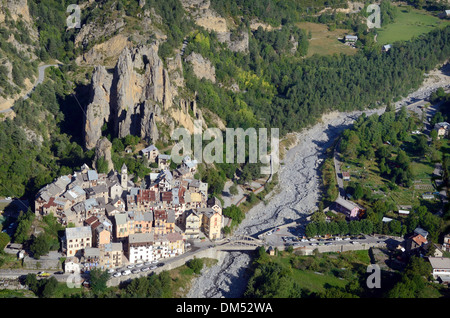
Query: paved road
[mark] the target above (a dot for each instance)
(40, 79)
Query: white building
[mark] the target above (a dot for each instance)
(141, 248)
(72, 265)
(441, 268)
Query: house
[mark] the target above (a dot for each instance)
(176, 244)
(163, 161)
(78, 238)
(351, 38)
(416, 243)
(111, 255)
(192, 224)
(90, 258)
(386, 47)
(72, 265)
(347, 207)
(442, 129)
(428, 196)
(140, 248)
(419, 230)
(151, 153)
(441, 268)
(444, 14)
(346, 176)
(211, 223)
(215, 204)
(121, 223)
(446, 243)
(101, 235)
(189, 164)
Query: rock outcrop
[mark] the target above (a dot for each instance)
(103, 150)
(202, 67)
(98, 110)
(132, 98)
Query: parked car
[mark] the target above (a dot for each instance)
(126, 272)
(136, 270)
(144, 269)
(117, 274)
(153, 267)
(139, 264)
(111, 270)
(130, 266)
(44, 274)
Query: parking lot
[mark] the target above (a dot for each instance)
(133, 269)
(294, 236)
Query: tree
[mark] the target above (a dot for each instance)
(32, 282)
(395, 227)
(354, 227)
(40, 246)
(311, 229)
(318, 216)
(343, 227)
(359, 192)
(233, 189)
(139, 287)
(98, 280)
(4, 240)
(196, 265)
(49, 287)
(366, 226)
(102, 165)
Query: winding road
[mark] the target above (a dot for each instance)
(41, 76)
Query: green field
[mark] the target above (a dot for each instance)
(408, 24)
(324, 41)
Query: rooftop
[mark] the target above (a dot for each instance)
(439, 262)
(78, 232)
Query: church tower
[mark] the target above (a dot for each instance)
(124, 177)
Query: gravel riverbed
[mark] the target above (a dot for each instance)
(296, 195)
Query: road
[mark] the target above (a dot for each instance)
(41, 76)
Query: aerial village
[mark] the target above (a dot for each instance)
(110, 222)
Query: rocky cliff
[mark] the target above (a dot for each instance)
(133, 97)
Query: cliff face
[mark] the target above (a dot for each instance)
(133, 98)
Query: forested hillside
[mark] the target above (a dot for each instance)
(269, 83)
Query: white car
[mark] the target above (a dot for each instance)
(144, 269)
(126, 272)
(153, 267)
(139, 264)
(111, 270)
(118, 274)
(130, 266)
